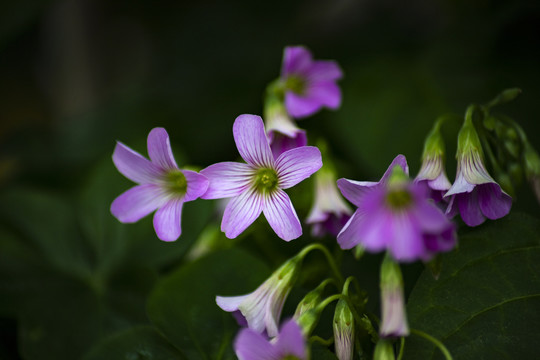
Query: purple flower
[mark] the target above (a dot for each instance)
(289, 344)
(258, 185)
(395, 215)
(474, 194)
(309, 84)
(261, 309)
(329, 212)
(162, 186)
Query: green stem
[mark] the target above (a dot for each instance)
(401, 348)
(320, 340)
(435, 342)
(328, 256)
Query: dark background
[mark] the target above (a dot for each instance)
(75, 76)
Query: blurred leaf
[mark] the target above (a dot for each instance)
(139, 343)
(183, 305)
(321, 352)
(486, 301)
(49, 222)
(21, 272)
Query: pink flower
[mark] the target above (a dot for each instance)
(162, 186)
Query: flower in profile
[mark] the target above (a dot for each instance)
(283, 134)
(432, 173)
(161, 185)
(474, 194)
(309, 84)
(395, 215)
(329, 212)
(261, 309)
(258, 186)
(394, 317)
(288, 345)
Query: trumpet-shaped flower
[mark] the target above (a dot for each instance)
(433, 176)
(261, 309)
(394, 317)
(288, 345)
(309, 84)
(395, 215)
(258, 186)
(474, 194)
(432, 173)
(161, 185)
(329, 212)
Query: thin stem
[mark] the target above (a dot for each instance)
(328, 256)
(401, 348)
(320, 340)
(435, 342)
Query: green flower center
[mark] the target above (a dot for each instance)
(176, 182)
(266, 180)
(398, 199)
(295, 84)
(290, 357)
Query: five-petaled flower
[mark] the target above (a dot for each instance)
(395, 215)
(474, 194)
(309, 84)
(288, 345)
(162, 186)
(258, 186)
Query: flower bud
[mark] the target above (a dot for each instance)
(343, 331)
(394, 317)
(384, 351)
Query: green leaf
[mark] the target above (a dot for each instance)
(486, 302)
(184, 309)
(138, 343)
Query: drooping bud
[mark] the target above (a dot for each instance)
(394, 317)
(311, 300)
(343, 331)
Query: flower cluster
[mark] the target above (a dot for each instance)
(408, 220)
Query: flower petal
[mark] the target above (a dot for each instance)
(137, 202)
(296, 60)
(167, 220)
(326, 93)
(349, 236)
(408, 243)
(469, 208)
(280, 143)
(159, 149)
(300, 106)
(250, 345)
(297, 164)
(197, 184)
(291, 341)
(281, 215)
(230, 303)
(354, 190)
(134, 166)
(241, 212)
(399, 160)
(493, 202)
(227, 179)
(251, 141)
(324, 70)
